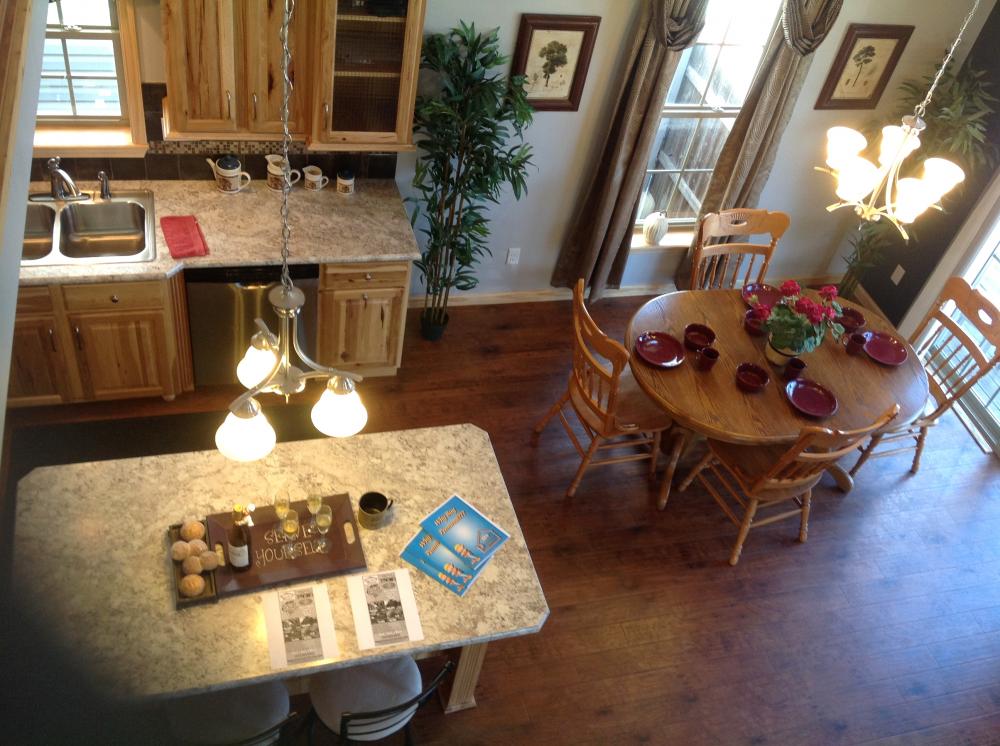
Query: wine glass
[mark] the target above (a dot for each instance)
(290, 527)
(323, 519)
(282, 501)
(313, 503)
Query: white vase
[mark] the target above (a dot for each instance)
(654, 228)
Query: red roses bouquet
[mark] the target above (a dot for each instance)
(799, 323)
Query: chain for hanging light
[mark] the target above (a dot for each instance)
(877, 192)
(245, 434)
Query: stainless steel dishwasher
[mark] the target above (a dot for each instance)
(222, 305)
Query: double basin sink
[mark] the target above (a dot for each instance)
(91, 231)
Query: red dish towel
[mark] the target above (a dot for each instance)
(184, 236)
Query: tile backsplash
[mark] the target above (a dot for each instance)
(186, 160)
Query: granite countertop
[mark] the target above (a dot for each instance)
(103, 579)
(244, 229)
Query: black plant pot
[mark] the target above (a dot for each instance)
(430, 329)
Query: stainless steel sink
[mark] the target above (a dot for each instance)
(95, 231)
(102, 229)
(39, 225)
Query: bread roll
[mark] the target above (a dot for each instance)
(192, 530)
(192, 565)
(209, 560)
(192, 585)
(180, 551)
(197, 547)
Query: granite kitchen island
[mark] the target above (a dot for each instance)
(106, 583)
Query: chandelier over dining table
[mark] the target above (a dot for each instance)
(877, 192)
(246, 434)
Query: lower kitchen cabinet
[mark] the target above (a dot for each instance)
(362, 311)
(100, 341)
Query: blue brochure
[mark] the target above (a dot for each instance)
(433, 559)
(465, 531)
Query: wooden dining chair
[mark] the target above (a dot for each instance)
(614, 411)
(771, 475)
(953, 360)
(720, 266)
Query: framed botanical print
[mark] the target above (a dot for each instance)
(553, 53)
(865, 61)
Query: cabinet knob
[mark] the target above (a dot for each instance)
(344, 356)
(368, 275)
(114, 299)
(364, 297)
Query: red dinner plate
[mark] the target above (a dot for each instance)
(766, 294)
(885, 348)
(810, 398)
(659, 349)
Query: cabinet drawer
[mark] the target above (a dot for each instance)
(118, 295)
(358, 276)
(34, 300)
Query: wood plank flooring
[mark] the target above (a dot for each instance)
(883, 628)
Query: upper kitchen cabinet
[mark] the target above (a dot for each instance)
(367, 56)
(200, 37)
(224, 68)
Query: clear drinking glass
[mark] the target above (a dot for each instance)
(313, 503)
(282, 501)
(290, 527)
(323, 519)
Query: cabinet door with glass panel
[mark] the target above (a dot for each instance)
(706, 94)
(367, 58)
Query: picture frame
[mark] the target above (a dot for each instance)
(553, 52)
(864, 63)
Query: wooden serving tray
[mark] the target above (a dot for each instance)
(209, 595)
(270, 563)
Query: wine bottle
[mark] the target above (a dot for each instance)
(238, 541)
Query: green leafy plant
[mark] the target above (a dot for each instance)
(797, 322)
(465, 130)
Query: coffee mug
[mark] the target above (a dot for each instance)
(314, 178)
(374, 510)
(794, 368)
(706, 357)
(229, 177)
(275, 173)
(856, 343)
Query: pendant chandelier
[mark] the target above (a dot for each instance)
(877, 192)
(245, 434)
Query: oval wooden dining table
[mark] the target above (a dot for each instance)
(709, 402)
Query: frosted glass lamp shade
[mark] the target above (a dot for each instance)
(856, 178)
(245, 438)
(942, 175)
(339, 415)
(897, 143)
(843, 144)
(913, 196)
(255, 366)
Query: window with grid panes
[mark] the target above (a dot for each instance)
(708, 89)
(82, 63)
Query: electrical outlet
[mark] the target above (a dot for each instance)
(897, 274)
(513, 255)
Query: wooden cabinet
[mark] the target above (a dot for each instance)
(366, 75)
(100, 341)
(362, 311)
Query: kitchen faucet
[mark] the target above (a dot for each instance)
(63, 186)
(102, 177)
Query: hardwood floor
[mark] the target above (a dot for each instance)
(883, 628)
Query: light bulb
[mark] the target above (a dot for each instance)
(255, 366)
(897, 143)
(913, 196)
(843, 144)
(856, 178)
(245, 438)
(339, 415)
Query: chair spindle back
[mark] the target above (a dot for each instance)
(733, 265)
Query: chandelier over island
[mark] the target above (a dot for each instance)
(876, 191)
(245, 434)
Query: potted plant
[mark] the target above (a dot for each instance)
(797, 324)
(464, 130)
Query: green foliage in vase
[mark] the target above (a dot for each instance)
(798, 322)
(470, 132)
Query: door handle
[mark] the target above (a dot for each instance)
(52, 339)
(253, 97)
(79, 337)
(229, 105)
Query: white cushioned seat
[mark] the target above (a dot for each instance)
(228, 716)
(376, 686)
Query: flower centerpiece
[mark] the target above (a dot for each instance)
(797, 324)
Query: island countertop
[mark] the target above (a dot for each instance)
(244, 229)
(105, 582)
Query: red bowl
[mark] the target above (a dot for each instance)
(754, 324)
(852, 320)
(751, 378)
(697, 336)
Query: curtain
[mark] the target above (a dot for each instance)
(748, 153)
(599, 239)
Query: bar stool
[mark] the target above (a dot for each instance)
(248, 715)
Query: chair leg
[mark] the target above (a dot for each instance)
(680, 443)
(408, 735)
(804, 520)
(553, 411)
(920, 449)
(744, 530)
(698, 468)
(866, 454)
(654, 454)
(583, 465)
